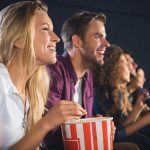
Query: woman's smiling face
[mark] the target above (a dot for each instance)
(44, 39)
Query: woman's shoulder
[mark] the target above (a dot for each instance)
(3, 78)
(6, 85)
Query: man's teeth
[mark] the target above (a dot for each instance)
(101, 52)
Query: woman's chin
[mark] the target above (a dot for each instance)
(53, 61)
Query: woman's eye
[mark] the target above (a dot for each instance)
(45, 29)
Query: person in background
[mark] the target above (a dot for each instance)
(84, 38)
(131, 63)
(132, 68)
(27, 44)
(140, 75)
(111, 98)
(136, 80)
(137, 86)
(140, 95)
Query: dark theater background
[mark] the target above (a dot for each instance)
(128, 23)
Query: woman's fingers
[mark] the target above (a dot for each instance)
(73, 108)
(99, 115)
(65, 110)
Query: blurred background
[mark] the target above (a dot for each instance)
(128, 24)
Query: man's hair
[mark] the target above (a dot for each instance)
(78, 24)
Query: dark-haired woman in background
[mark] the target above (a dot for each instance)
(111, 98)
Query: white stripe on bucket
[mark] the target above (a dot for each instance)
(99, 132)
(68, 132)
(109, 133)
(80, 134)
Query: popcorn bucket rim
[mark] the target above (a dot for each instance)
(88, 120)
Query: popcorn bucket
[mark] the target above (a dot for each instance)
(88, 134)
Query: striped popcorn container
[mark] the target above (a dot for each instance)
(88, 134)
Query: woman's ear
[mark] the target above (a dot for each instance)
(19, 43)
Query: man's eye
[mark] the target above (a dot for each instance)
(97, 36)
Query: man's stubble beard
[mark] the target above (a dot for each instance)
(90, 62)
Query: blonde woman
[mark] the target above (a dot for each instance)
(27, 43)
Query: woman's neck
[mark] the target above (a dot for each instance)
(18, 76)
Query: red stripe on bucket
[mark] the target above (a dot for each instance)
(72, 144)
(73, 131)
(94, 136)
(111, 136)
(105, 135)
(87, 136)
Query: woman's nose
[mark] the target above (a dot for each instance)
(54, 37)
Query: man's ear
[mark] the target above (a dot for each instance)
(19, 43)
(76, 40)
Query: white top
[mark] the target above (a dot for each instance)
(11, 111)
(78, 92)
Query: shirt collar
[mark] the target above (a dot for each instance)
(7, 86)
(70, 67)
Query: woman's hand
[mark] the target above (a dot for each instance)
(62, 112)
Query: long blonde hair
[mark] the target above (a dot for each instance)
(17, 22)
